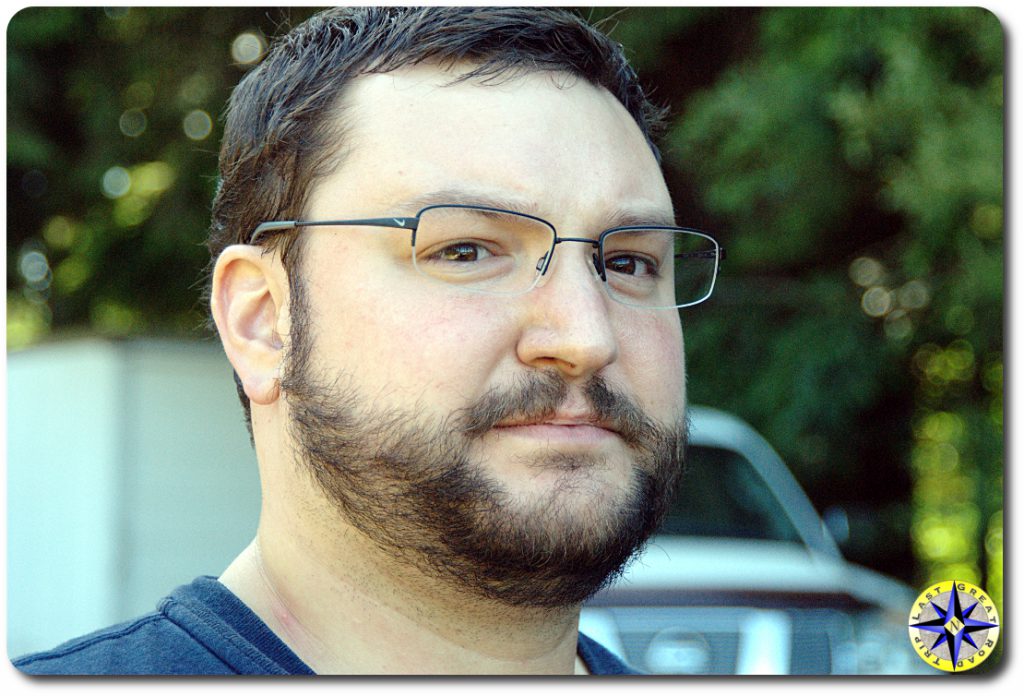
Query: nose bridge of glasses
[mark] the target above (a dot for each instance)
(545, 261)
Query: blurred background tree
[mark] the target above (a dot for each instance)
(850, 160)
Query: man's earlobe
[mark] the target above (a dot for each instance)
(248, 293)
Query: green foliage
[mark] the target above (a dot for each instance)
(106, 183)
(852, 162)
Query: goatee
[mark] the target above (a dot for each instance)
(415, 488)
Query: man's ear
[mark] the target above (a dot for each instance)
(246, 300)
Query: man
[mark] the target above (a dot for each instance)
(446, 273)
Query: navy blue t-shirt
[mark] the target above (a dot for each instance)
(201, 629)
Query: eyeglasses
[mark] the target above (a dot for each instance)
(502, 252)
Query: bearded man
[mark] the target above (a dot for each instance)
(446, 271)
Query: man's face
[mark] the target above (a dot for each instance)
(514, 439)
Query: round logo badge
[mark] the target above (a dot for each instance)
(954, 626)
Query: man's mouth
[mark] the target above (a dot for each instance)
(582, 429)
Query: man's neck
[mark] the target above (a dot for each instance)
(344, 608)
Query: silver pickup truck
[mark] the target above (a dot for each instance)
(745, 578)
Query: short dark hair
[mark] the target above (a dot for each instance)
(280, 136)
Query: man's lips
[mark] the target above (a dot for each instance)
(568, 430)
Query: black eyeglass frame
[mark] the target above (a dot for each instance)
(412, 223)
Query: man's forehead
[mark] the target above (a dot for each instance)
(531, 142)
(434, 85)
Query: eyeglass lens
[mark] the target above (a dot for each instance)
(500, 252)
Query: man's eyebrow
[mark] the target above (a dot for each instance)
(629, 217)
(622, 216)
(486, 199)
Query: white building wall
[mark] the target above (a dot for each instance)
(129, 472)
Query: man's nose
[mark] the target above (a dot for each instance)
(568, 317)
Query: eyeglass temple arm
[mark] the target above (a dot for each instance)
(405, 223)
(703, 254)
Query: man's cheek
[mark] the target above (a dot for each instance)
(653, 356)
(438, 349)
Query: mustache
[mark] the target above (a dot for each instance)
(539, 395)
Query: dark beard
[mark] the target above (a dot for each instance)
(415, 490)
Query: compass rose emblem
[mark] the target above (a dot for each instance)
(954, 626)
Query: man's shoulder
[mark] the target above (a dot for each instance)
(199, 629)
(599, 659)
(149, 644)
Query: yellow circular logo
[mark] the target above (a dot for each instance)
(954, 626)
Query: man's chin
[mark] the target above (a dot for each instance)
(587, 495)
(555, 547)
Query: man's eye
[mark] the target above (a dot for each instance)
(462, 252)
(632, 266)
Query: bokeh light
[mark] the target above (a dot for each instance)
(133, 123)
(114, 317)
(914, 295)
(876, 301)
(898, 326)
(59, 232)
(197, 124)
(987, 221)
(116, 182)
(959, 319)
(247, 48)
(942, 366)
(195, 89)
(149, 181)
(139, 95)
(942, 426)
(994, 549)
(35, 269)
(866, 271)
(27, 321)
(992, 378)
(71, 274)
